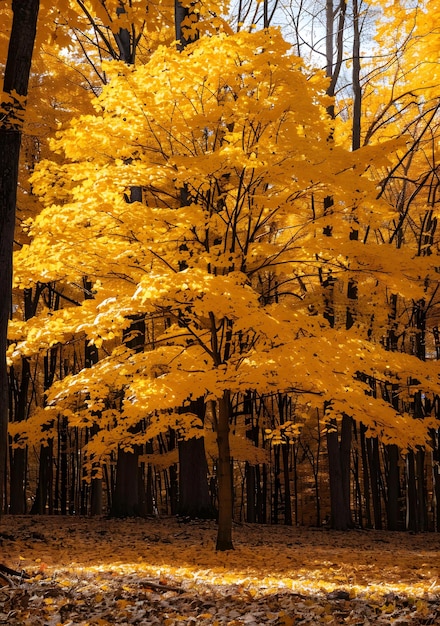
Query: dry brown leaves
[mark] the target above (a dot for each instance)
(159, 571)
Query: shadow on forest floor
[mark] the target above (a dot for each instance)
(158, 571)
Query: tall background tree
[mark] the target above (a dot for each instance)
(12, 110)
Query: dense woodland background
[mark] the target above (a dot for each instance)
(227, 280)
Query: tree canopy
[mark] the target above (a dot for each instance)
(213, 191)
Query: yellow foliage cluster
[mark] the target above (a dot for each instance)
(227, 257)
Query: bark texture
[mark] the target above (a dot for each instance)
(15, 87)
(224, 476)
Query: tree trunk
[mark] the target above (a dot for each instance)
(357, 483)
(345, 446)
(250, 493)
(262, 493)
(43, 496)
(422, 509)
(287, 494)
(224, 475)
(252, 433)
(149, 492)
(96, 496)
(18, 456)
(436, 482)
(129, 496)
(95, 482)
(276, 484)
(393, 487)
(338, 518)
(16, 79)
(180, 14)
(91, 357)
(411, 494)
(375, 473)
(419, 412)
(366, 475)
(173, 488)
(18, 481)
(194, 496)
(339, 473)
(63, 463)
(435, 464)
(356, 74)
(126, 501)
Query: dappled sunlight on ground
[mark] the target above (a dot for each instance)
(159, 571)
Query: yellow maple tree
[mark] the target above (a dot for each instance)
(230, 279)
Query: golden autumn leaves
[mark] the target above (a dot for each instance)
(225, 256)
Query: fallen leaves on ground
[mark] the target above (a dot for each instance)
(99, 572)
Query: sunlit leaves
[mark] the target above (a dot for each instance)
(226, 257)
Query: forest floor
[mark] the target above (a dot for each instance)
(161, 572)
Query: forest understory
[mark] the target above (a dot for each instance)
(82, 571)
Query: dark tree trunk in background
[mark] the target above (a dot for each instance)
(18, 456)
(375, 478)
(17, 495)
(436, 480)
(173, 488)
(44, 495)
(262, 488)
(224, 475)
(127, 499)
(63, 451)
(393, 487)
(276, 484)
(194, 497)
(287, 495)
(91, 357)
(411, 494)
(416, 490)
(435, 461)
(250, 494)
(150, 506)
(253, 487)
(16, 79)
(129, 496)
(180, 13)
(96, 496)
(339, 473)
(356, 77)
(422, 508)
(419, 412)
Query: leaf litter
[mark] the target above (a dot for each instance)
(99, 572)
